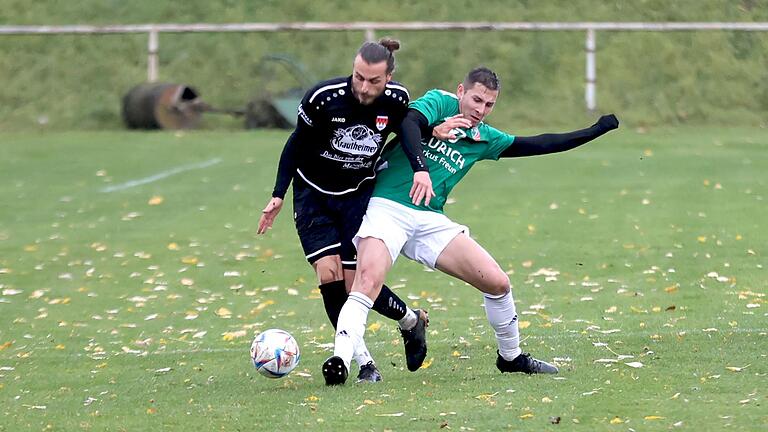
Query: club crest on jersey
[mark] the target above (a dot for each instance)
(381, 122)
(476, 134)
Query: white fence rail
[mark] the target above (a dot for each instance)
(369, 28)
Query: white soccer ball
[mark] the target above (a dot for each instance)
(275, 353)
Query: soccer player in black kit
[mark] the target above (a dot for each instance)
(331, 157)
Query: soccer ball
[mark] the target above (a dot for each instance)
(275, 353)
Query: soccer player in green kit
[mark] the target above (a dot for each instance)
(394, 224)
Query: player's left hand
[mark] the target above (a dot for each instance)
(443, 131)
(608, 122)
(422, 188)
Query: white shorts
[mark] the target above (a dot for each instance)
(419, 235)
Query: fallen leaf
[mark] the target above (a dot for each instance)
(634, 364)
(223, 312)
(427, 363)
(155, 200)
(228, 336)
(265, 304)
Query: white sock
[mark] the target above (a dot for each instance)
(362, 355)
(503, 318)
(350, 327)
(409, 320)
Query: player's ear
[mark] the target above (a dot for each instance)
(389, 77)
(460, 90)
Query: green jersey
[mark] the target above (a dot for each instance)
(448, 161)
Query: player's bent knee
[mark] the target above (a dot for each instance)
(328, 276)
(498, 284)
(328, 270)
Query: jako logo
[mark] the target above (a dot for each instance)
(339, 119)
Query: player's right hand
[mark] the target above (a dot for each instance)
(269, 214)
(422, 188)
(444, 131)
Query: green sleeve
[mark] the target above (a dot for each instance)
(436, 105)
(498, 141)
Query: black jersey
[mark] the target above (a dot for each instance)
(338, 141)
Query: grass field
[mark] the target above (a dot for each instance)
(132, 282)
(65, 82)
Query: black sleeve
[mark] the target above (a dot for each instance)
(554, 143)
(289, 158)
(287, 166)
(411, 131)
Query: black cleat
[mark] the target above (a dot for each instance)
(526, 364)
(415, 341)
(334, 371)
(369, 373)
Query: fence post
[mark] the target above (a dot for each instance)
(370, 35)
(152, 63)
(591, 78)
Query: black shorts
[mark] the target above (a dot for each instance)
(327, 223)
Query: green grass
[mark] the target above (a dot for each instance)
(76, 82)
(96, 289)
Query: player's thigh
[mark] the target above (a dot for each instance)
(373, 264)
(465, 259)
(318, 233)
(388, 222)
(348, 213)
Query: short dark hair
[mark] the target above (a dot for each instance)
(484, 76)
(383, 50)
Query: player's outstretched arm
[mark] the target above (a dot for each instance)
(554, 143)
